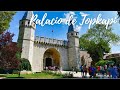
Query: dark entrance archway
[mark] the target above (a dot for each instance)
(48, 62)
(51, 58)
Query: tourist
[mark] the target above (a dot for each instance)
(98, 69)
(46, 68)
(85, 70)
(108, 70)
(118, 66)
(116, 71)
(113, 73)
(94, 72)
(105, 68)
(56, 68)
(80, 68)
(90, 71)
(82, 72)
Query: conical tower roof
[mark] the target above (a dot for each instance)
(28, 15)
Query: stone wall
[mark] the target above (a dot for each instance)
(86, 58)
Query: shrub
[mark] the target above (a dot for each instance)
(15, 71)
(25, 65)
(2, 71)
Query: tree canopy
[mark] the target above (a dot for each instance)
(8, 50)
(5, 19)
(97, 41)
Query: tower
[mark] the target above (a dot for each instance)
(73, 48)
(26, 36)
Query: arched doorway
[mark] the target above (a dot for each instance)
(48, 62)
(51, 58)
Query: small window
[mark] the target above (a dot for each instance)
(71, 33)
(76, 33)
(28, 23)
(22, 22)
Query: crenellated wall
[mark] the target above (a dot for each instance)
(51, 41)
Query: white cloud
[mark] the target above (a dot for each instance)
(78, 28)
(70, 13)
(83, 14)
(69, 16)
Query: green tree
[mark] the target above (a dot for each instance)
(5, 19)
(25, 64)
(101, 62)
(97, 41)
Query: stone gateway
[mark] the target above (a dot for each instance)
(44, 52)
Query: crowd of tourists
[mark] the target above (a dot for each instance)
(112, 71)
(54, 68)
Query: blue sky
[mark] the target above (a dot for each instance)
(59, 31)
